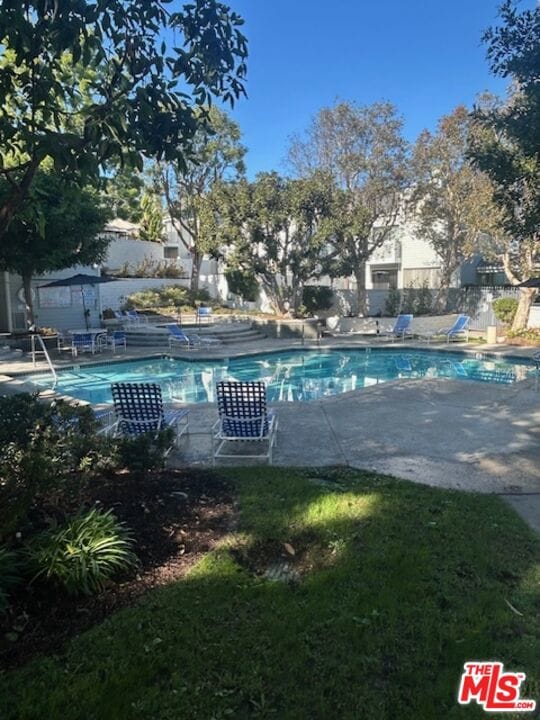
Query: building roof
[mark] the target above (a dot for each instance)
(122, 226)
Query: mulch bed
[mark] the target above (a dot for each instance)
(175, 517)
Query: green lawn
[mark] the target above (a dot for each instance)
(399, 585)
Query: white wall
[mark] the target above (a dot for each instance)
(134, 252)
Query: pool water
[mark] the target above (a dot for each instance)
(290, 376)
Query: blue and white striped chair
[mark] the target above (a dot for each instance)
(139, 409)
(243, 418)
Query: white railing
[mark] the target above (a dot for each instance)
(46, 355)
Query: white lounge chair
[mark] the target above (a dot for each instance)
(243, 418)
(139, 410)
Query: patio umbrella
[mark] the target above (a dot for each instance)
(531, 283)
(80, 280)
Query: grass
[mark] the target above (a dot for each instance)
(399, 585)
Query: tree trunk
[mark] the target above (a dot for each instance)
(196, 262)
(27, 286)
(521, 318)
(361, 304)
(440, 304)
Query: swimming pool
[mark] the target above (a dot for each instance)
(290, 376)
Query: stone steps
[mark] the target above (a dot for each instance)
(158, 337)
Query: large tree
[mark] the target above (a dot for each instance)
(155, 65)
(217, 155)
(59, 228)
(505, 144)
(275, 229)
(451, 202)
(362, 151)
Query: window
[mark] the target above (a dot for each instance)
(384, 279)
(170, 252)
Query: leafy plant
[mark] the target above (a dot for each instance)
(505, 309)
(243, 283)
(317, 297)
(424, 300)
(145, 453)
(47, 451)
(392, 303)
(84, 553)
(11, 574)
(166, 296)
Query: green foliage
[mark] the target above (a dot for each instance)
(46, 451)
(175, 296)
(530, 335)
(392, 304)
(362, 153)
(277, 229)
(505, 143)
(118, 81)
(409, 299)
(58, 228)
(123, 190)
(424, 300)
(151, 226)
(84, 553)
(216, 155)
(243, 283)
(505, 309)
(317, 297)
(451, 204)
(144, 454)
(11, 574)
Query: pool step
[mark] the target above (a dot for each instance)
(158, 337)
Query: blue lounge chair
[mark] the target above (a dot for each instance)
(178, 337)
(139, 409)
(243, 418)
(402, 327)
(458, 331)
(134, 318)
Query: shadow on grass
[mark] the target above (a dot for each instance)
(412, 582)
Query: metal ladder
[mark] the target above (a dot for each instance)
(45, 353)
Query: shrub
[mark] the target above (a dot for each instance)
(392, 303)
(242, 283)
(424, 300)
(174, 296)
(46, 452)
(84, 553)
(505, 309)
(145, 453)
(316, 298)
(11, 574)
(409, 299)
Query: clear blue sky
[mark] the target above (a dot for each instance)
(425, 56)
